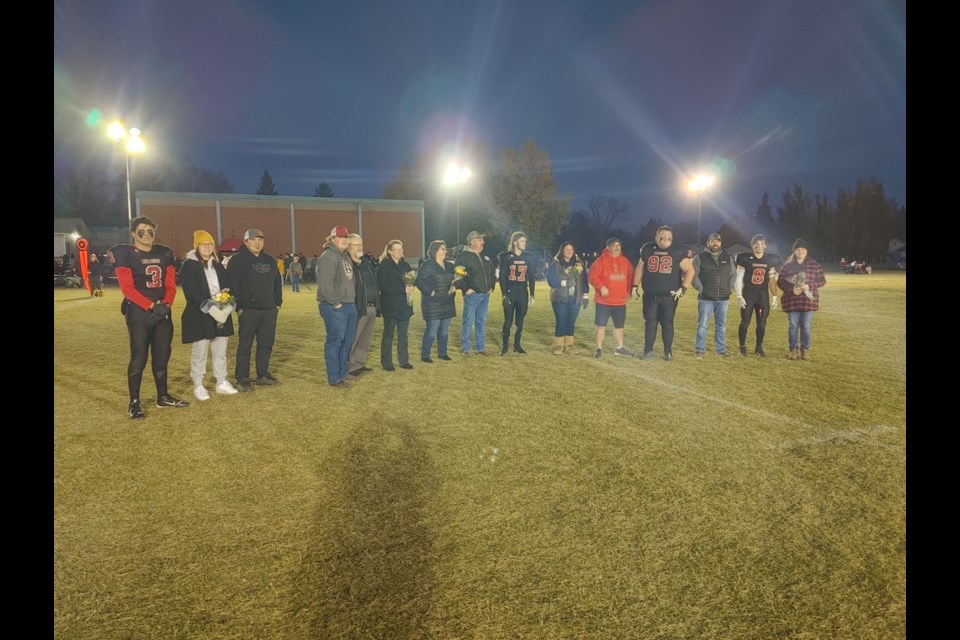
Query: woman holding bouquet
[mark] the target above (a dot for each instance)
(203, 278)
(569, 291)
(395, 304)
(800, 280)
(435, 280)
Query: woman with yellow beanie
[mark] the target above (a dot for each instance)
(203, 277)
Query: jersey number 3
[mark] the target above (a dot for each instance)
(154, 276)
(662, 264)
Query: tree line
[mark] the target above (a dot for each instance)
(518, 191)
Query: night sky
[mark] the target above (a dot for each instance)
(626, 97)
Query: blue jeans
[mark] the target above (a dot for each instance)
(475, 307)
(566, 314)
(802, 320)
(295, 282)
(341, 326)
(438, 328)
(717, 309)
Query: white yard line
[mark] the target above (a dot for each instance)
(862, 315)
(854, 435)
(57, 308)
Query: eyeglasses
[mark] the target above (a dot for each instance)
(146, 232)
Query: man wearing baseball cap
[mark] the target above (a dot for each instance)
(715, 277)
(476, 287)
(259, 292)
(336, 297)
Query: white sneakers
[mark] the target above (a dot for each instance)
(200, 393)
(226, 388)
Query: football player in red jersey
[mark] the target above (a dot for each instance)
(147, 277)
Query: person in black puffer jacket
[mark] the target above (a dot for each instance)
(436, 302)
(394, 307)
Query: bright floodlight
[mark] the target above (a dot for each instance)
(116, 131)
(135, 142)
(701, 182)
(456, 174)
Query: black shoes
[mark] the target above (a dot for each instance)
(518, 349)
(759, 351)
(648, 355)
(743, 351)
(428, 360)
(668, 356)
(267, 381)
(358, 372)
(446, 358)
(244, 385)
(135, 411)
(406, 365)
(170, 401)
(389, 367)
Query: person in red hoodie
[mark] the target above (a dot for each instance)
(611, 275)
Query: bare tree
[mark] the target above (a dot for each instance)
(605, 212)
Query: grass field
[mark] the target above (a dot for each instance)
(533, 496)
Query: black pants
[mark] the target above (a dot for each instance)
(658, 310)
(262, 325)
(155, 338)
(514, 310)
(759, 304)
(386, 342)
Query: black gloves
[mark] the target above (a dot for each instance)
(158, 313)
(160, 309)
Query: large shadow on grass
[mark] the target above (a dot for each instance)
(369, 571)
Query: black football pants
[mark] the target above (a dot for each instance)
(145, 336)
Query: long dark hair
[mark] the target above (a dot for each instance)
(559, 256)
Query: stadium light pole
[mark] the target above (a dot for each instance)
(133, 143)
(698, 184)
(455, 176)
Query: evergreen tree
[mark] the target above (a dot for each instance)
(648, 230)
(324, 190)
(266, 188)
(764, 216)
(796, 215)
(825, 229)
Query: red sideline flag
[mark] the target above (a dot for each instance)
(84, 267)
